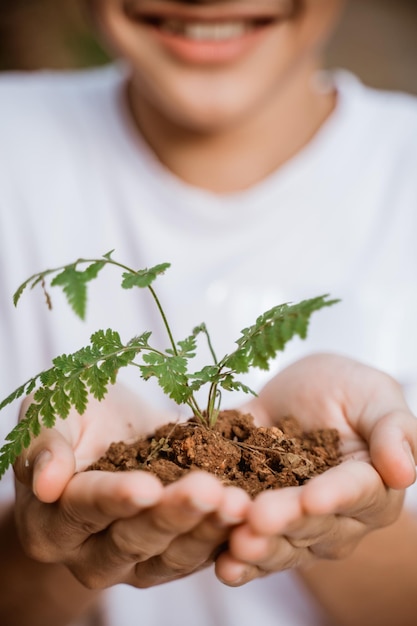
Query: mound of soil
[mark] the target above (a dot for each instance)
(236, 451)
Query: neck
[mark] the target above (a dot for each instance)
(235, 158)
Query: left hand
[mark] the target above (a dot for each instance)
(329, 515)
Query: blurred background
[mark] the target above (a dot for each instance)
(377, 39)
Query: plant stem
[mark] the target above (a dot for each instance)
(155, 297)
(210, 345)
(164, 319)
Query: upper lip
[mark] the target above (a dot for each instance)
(229, 10)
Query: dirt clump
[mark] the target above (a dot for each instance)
(235, 450)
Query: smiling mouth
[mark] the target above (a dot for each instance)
(207, 30)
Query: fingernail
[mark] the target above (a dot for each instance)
(201, 506)
(241, 577)
(42, 460)
(223, 520)
(145, 501)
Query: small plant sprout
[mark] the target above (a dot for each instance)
(90, 370)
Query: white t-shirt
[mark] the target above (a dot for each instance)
(77, 180)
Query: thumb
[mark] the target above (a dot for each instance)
(47, 465)
(393, 449)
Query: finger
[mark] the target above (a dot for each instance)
(183, 506)
(234, 573)
(268, 554)
(95, 499)
(326, 536)
(261, 542)
(393, 449)
(272, 511)
(198, 547)
(89, 504)
(325, 518)
(304, 539)
(177, 536)
(353, 489)
(186, 554)
(233, 508)
(293, 531)
(47, 465)
(125, 552)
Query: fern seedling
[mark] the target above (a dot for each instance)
(89, 371)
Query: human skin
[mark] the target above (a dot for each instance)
(324, 528)
(85, 531)
(224, 126)
(125, 528)
(128, 525)
(205, 124)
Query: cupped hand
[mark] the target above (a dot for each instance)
(328, 516)
(122, 527)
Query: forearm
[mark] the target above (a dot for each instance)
(377, 584)
(35, 593)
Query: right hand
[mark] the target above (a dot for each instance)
(122, 527)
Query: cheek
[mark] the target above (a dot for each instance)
(321, 16)
(112, 27)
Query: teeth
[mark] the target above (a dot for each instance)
(203, 31)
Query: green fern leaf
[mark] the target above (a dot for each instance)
(75, 289)
(17, 393)
(143, 278)
(9, 453)
(18, 293)
(187, 347)
(91, 272)
(171, 374)
(106, 341)
(260, 343)
(77, 392)
(49, 377)
(208, 375)
(61, 401)
(43, 407)
(140, 341)
(74, 284)
(96, 380)
(230, 384)
(19, 438)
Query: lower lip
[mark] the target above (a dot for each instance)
(209, 52)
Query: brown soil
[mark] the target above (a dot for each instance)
(235, 450)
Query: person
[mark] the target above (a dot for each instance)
(215, 142)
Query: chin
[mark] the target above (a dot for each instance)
(207, 106)
(211, 118)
